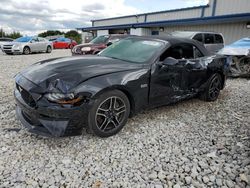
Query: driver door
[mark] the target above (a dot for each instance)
(170, 81)
(34, 45)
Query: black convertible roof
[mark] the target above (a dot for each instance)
(176, 41)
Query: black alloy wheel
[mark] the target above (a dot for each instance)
(109, 113)
(212, 91)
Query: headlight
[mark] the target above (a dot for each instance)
(60, 98)
(85, 49)
(16, 46)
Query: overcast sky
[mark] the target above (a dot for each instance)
(33, 16)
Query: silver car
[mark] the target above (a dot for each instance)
(212, 41)
(4, 40)
(27, 45)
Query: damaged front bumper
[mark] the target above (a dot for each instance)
(51, 121)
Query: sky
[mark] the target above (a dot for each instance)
(31, 17)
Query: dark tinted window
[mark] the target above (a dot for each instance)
(182, 51)
(209, 39)
(218, 39)
(198, 37)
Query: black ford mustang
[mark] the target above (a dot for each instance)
(59, 97)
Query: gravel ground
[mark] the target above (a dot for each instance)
(190, 144)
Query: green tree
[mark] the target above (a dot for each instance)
(2, 33)
(74, 35)
(50, 33)
(13, 35)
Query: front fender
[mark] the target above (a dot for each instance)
(135, 84)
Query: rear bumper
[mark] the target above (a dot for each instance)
(51, 121)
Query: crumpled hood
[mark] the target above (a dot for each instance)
(68, 72)
(88, 45)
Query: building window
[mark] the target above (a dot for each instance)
(155, 33)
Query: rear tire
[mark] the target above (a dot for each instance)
(109, 113)
(26, 50)
(49, 49)
(214, 86)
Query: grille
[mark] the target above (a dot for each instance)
(27, 97)
(7, 47)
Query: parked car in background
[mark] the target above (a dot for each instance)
(27, 45)
(212, 41)
(59, 97)
(63, 43)
(4, 40)
(97, 44)
(239, 52)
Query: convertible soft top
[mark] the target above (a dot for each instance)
(178, 40)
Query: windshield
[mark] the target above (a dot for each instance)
(23, 39)
(100, 40)
(134, 50)
(182, 34)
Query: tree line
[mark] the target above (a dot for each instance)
(13, 35)
(72, 34)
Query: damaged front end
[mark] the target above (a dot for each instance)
(52, 112)
(239, 52)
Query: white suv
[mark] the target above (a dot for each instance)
(212, 41)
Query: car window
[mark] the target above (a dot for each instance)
(23, 39)
(133, 50)
(197, 53)
(218, 39)
(198, 37)
(41, 40)
(182, 51)
(66, 40)
(35, 39)
(100, 40)
(60, 39)
(209, 38)
(114, 39)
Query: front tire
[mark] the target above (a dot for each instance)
(26, 50)
(109, 113)
(49, 49)
(214, 86)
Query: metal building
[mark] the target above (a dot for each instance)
(229, 17)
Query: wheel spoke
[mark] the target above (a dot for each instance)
(115, 122)
(120, 110)
(104, 124)
(112, 103)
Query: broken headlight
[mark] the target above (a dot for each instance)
(61, 98)
(86, 49)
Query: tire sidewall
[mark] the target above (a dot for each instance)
(92, 113)
(209, 85)
(26, 49)
(49, 49)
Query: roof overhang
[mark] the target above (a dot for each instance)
(190, 21)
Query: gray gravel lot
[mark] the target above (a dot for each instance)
(190, 144)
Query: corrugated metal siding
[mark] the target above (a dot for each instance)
(231, 31)
(174, 15)
(223, 7)
(232, 7)
(127, 20)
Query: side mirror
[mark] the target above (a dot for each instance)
(109, 43)
(170, 61)
(31, 41)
